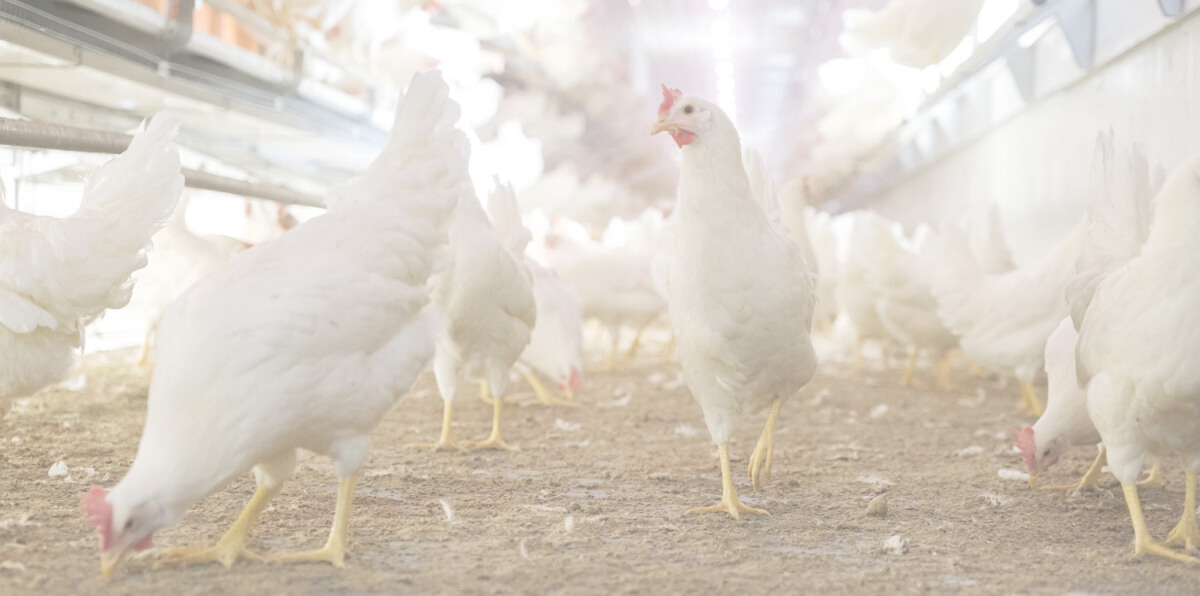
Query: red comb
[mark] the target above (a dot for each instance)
(669, 97)
(99, 512)
(1023, 439)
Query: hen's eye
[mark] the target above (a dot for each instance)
(129, 524)
(1047, 452)
(687, 109)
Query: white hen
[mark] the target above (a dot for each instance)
(556, 343)
(870, 237)
(487, 297)
(741, 297)
(180, 259)
(1137, 345)
(1002, 320)
(57, 274)
(916, 33)
(301, 343)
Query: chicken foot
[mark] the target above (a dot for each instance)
(1142, 543)
(544, 396)
(1155, 478)
(493, 441)
(759, 469)
(729, 497)
(1030, 404)
(1090, 480)
(231, 546)
(446, 439)
(1186, 534)
(334, 551)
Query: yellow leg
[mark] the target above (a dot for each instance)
(760, 460)
(543, 395)
(858, 357)
(671, 346)
(143, 359)
(446, 439)
(1186, 534)
(493, 441)
(1142, 543)
(232, 545)
(906, 378)
(611, 364)
(484, 396)
(1090, 480)
(943, 371)
(334, 551)
(1155, 478)
(1029, 399)
(729, 497)
(633, 347)
(978, 371)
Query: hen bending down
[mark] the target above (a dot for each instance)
(741, 296)
(58, 274)
(302, 342)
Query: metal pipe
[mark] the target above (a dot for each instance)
(39, 135)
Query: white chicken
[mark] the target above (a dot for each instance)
(301, 343)
(1002, 320)
(1121, 188)
(916, 33)
(180, 259)
(618, 287)
(556, 343)
(1136, 311)
(870, 237)
(741, 296)
(486, 295)
(907, 309)
(57, 274)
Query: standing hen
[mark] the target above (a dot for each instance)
(57, 274)
(301, 343)
(741, 296)
(486, 296)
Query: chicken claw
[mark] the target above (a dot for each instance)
(1186, 534)
(544, 396)
(1090, 480)
(493, 441)
(1155, 478)
(231, 546)
(729, 497)
(334, 551)
(1143, 544)
(759, 469)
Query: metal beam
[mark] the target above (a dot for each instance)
(1171, 8)
(37, 135)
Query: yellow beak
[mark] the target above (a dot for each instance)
(1032, 479)
(661, 126)
(108, 563)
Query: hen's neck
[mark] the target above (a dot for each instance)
(713, 182)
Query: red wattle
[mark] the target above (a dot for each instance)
(683, 137)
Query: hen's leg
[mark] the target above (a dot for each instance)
(611, 364)
(906, 377)
(270, 476)
(1155, 478)
(446, 439)
(544, 396)
(143, 360)
(484, 396)
(334, 551)
(1090, 480)
(633, 347)
(1186, 534)
(1029, 399)
(760, 461)
(1142, 543)
(729, 497)
(493, 441)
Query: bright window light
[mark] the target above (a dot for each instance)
(725, 85)
(720, 27)
(724, 68)
(841, 75)
(718, 4)
(992, 16)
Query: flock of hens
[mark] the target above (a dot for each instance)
(305, 341)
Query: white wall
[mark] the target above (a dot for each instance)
(1035, 164)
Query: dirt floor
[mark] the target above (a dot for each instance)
(595, 500)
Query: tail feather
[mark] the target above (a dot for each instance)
(139, 188)
(506, 219)
(1119, 214)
